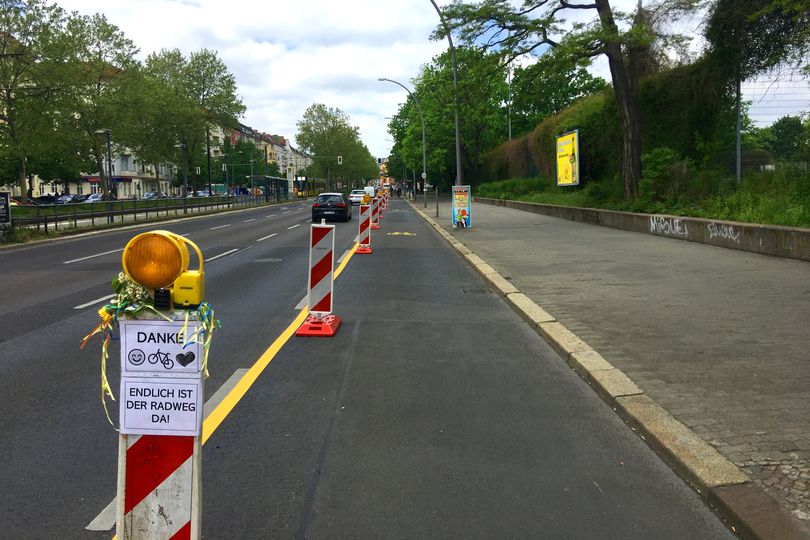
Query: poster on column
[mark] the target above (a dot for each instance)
(568, 159)
(461, 209)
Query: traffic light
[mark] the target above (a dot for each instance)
(340, 160)
(159, 259)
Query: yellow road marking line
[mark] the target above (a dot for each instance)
(230, 401)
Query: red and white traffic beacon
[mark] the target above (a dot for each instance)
(320, 290)
(375, 213)
(364, 237)
(161, 395)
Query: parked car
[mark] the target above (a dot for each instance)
(45, 199)
(17, 201)
(71, 198)
(356, 196)
(331, 205)
(150, 195)
(98, 197)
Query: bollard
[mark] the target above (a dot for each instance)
(321, 322)
(364, 236)
(375, 213)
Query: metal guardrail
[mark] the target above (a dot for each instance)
(51, 217)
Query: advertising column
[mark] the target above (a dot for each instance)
(461, 210)
(568, 159)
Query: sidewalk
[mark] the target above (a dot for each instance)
(716, 337)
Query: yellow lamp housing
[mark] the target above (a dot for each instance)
(159, 259)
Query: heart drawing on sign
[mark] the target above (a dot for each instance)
(185, 359)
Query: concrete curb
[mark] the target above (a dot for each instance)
(745, 508)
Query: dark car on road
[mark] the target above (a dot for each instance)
(331, 206)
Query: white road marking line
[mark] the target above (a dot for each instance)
(219, 227)
(272, 215)
(93, 256)
(294, 226)
(215, 257)
(96, 301)
(249, 220)
(105, 520)
(286, 212)
(266, 237)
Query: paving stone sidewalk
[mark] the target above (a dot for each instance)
(718, 337)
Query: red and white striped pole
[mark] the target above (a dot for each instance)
(375, 213)
(320, 288)
(154, 475)
(364, 237)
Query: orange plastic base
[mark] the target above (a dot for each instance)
(363, 250)
(375, 226)
(315, 327)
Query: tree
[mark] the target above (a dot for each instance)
(789, 138)
(96, 78)
(29, 34)
(158, 112)
(326, 133)
(482, 97)
(545, 88)
(748, 37)
(533, 26)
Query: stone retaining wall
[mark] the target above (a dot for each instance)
(790, 242)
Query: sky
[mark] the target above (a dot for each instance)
(287, 55)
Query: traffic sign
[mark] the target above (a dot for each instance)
(424, 175)
(5, 209)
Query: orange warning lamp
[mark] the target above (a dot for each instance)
(159, 259)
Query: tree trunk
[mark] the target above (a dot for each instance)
(626, 90)
(22, 177)
(102, 176)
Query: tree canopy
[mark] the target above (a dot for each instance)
(326, 134)
(64, 76)
(628, 42)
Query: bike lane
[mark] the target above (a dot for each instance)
(435, 411)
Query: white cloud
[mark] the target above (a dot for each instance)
(286, 56)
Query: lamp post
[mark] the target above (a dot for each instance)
(182, 147)
(108, 133)
(455, 92)
(422, 119)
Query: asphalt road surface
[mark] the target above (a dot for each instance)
(435, 412)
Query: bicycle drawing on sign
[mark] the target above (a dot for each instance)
(161, 357)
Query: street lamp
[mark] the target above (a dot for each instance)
(108, 133)
(455, 91)
(182, 147)
(422, 118)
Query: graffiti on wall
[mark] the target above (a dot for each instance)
(725, 232)
(668, 226)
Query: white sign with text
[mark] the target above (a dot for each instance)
(152, 406)
(159, 348)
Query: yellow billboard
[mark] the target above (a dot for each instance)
(568, 159)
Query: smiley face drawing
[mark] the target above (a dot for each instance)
(136, 357)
